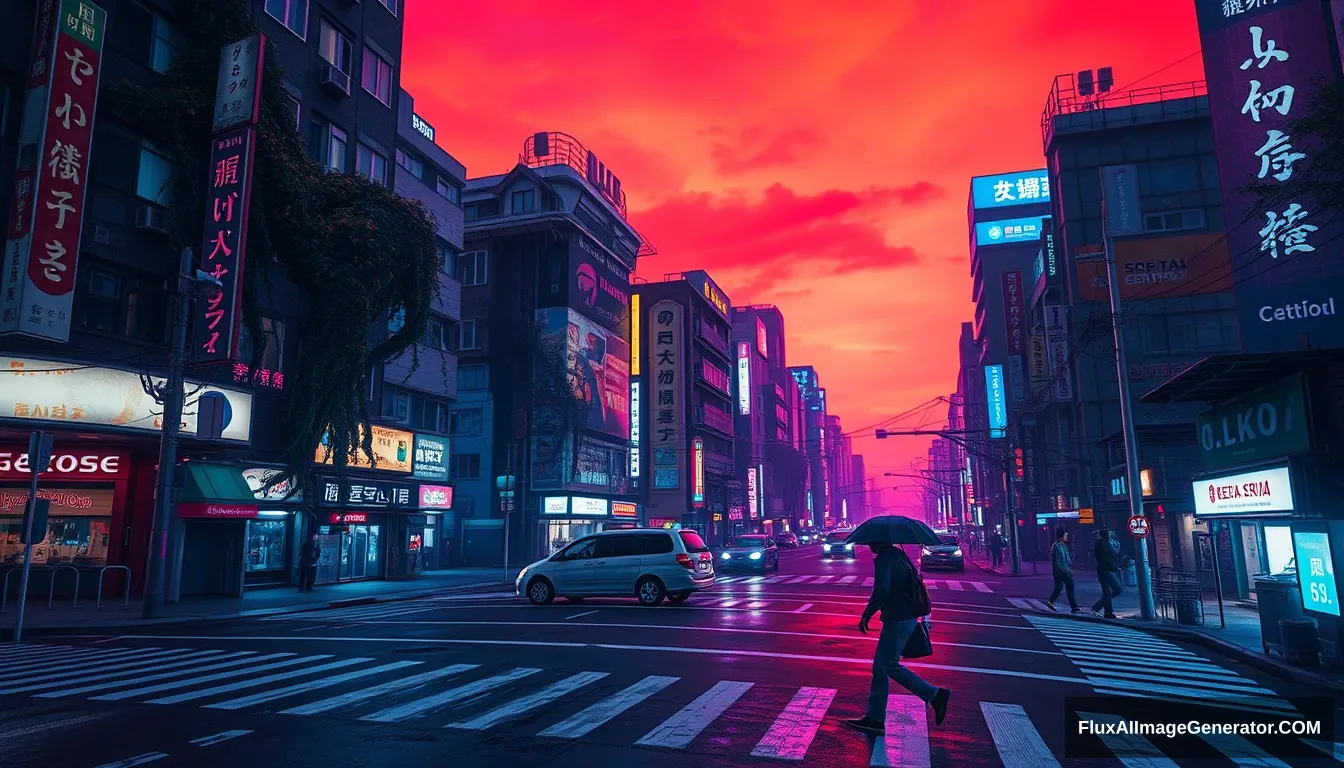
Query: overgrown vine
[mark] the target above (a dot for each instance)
(354, 249)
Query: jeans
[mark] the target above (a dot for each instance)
(887, 664)
(1110, 589)
(307, 575)
(996, 555)
(1063, 582)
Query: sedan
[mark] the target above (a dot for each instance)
(945, 554)
(834, 547)
(788, 541)
(755, 552)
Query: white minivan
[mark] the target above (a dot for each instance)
(650, 564)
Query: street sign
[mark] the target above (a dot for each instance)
(39, 450)
(1138, 525)
(1086, 515)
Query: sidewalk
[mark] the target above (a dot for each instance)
(1029, 567)
(261, 602)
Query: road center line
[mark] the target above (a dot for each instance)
(147, 757)
(209, 741)
(802, 608)
(580, 615)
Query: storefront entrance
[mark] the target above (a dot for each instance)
(350, 552)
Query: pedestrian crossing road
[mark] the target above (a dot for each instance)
(664, 712)
(953, 585)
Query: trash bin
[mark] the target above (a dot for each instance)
(1300, 647)
(1278, 601)
(1189, 610)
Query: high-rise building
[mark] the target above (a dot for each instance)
(814, 426)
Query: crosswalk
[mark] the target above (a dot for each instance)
(953, 585)
(1028, 603)
(764, 720)
(1119, 661)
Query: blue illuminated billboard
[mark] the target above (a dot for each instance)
(1315, 571)
(998, 409)
(1005, 189)
(1008, 231)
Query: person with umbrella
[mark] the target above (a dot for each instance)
(900, 597)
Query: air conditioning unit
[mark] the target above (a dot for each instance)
(335, 80)
(153, 219)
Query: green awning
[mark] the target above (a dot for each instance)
(214, 482)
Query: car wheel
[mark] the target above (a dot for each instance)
(650, 591)
(679, 598)
(540, 591)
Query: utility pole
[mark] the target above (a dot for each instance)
(1010, 510)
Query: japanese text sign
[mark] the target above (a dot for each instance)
(46, 220)
(1008, 231)
(1264, 62)
(1316, 571)
(995, 397)
(214, 330)
(1014, 313)
(238, 90)
(1023, 188)
(366, 493)
(669, 411)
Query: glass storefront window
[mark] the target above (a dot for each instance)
(559, 533)
(1278, 547)
(79, 541)
(266, 544)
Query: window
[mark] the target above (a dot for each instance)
(334, 47)
(371, 164)
(472, 267)
(273, 344)
(471, 212)
(293, 102)
(446, 191)
(522, 201)
(468, 421)
(467, 336)
(447, 256)
(163, 48)
(390, 5)
(328, 145)
(466, 466)
(104, 285)
(121, 303)
(376, 76)
(435, 336)
(396, 405)
(292, 13)
(414, 411)
(473, 377)
(1173, 221)
(411, 163)
(153, 179)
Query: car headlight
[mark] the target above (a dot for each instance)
(726, 556)
(926, 551)
(849, 547)
(826, 547)
(957, 553)
(521, 574)
(755, 555)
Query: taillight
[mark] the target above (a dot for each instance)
(685, 561)
(706, 557)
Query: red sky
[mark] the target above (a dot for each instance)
(815, 156)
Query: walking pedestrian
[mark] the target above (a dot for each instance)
(996, 549)
(900, 597)
(1061, 562)
(309, 554)
(1107, 554)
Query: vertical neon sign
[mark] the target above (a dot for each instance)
(743, 378)
(698, 484)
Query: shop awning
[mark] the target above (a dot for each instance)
(1221, 378)
(216, 491)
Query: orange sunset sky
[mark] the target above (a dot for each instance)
(814, 156)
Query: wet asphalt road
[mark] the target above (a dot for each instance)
(759, 671)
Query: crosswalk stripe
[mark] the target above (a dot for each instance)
(728, 603)
(980, 586)
(846, 579)
(216, 738)
(679, 730)
(1107, 659)
(1243, 752)
(1123, 678)
(539, 699)
(798, 580)
(1137, 751)
(822, 579)
(793, 731)
(906, 741)
(1018, 602)
(583, 723)
(189, 682)
(420, 706)
(64, 661)
(1019, 743)
(755, 579)
(396, 686)
(29, 651)
(255, 682)
(1333, 749)
(130, 669)
(130, 762)
(757, 605)
(868, 582)
(312, 685)
(955, 586)
(243, 657)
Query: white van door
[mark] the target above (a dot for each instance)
(572, 572)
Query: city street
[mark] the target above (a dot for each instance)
(760, 670)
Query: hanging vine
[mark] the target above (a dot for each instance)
(353, 249)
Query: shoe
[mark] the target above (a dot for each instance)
(939, 703)
(1097, 612)
(866, 723)
(1076, 610)
(1050, 604)
(1110, 616)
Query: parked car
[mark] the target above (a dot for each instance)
(648, 564)
(835, 548)
(755, 551)
(945, 554)
(787, 541)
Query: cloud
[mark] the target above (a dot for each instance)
(757, 148)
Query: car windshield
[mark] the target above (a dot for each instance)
(692, 541)
(947, 540)
(750, 542)
(837, 538)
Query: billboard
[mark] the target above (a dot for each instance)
(743, 378)
(599, 286)
(995, 397)
(706, 287)
(1014, 313)
(667, 351)
(635, 416)
(1160, 267)
(1057, 352)
(1264, 63)
(1005, 189)
(762, 339)
(1008, 231)
(597, 368)
(392, 448)
(1039, 369)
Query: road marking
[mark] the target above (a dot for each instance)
(1029, 604)
(906, 741)
(63, 660)
(404, 685)
(254, 682)
(1243, 752)
(585, 722)
(798, 580)
(1138, 751)
(525, 704)
(679, 730)
(198, 680)
(63, 667)
(756, 606)
(980, 586)
(728, 603)
(866, 661)
(846, 579)
(1335, 750)
(131, 670)
(49, 726)
(246, 658)
(868, 582)
(673, 609)
(1019, 743)
(147, 757)
(580, 615)
(755, 580)
(793, 731)
(326, 682)
(420, 706)
(822, 580)
(210, 741)
(802, 608)
(34, 649)
(955, 586)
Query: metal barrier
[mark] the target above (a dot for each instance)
(51, 586)
(126, 591)
(1179, 597)
(4, 590)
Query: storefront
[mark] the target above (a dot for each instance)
(87, 491)
(440, 538)
(356, 522)
(566, 518)
(273, 537)
(215, 506)
(1247, 513)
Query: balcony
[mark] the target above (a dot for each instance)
(449, 302)
(436, 375)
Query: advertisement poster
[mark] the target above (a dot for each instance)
(599, 286)
(1039, 370)
(1006, 189)
(994, 395)
(1316, 571)
(1161, 267)
(392, 447)
(667, 350)
(1057, 346)
(597, 368)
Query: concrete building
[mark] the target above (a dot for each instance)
(814, 397)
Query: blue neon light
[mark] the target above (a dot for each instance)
(998, 411)
(1008, 231)
(1005, 189)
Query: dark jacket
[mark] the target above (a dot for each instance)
(1060, 557)
(309, 553)
(1108, 559)
(893, 584)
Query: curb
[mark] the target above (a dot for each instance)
(1299, 675)
(1000, 571)
(90, 629)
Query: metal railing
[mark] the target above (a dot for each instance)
(51, 584)
(126, 590)
(1066, 99)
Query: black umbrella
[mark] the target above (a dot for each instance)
(892, 529)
